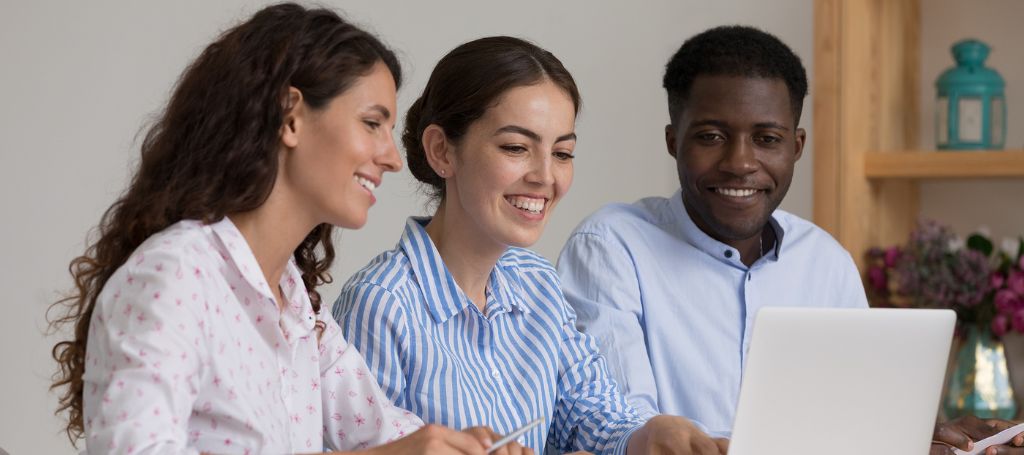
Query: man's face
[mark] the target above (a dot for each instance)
(735, 144)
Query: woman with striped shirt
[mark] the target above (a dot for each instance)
(463, 325)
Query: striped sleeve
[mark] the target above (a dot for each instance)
(590, 413)
(372, 319)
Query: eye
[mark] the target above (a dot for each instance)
(563, 156)
(514, 148)
(768, 140)
(710, 137)
(373, 125)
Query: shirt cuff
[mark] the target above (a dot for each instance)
(623, 442)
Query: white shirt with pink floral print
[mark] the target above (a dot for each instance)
(188, 352)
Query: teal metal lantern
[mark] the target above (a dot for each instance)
(971, 111)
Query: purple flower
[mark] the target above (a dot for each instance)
(996, 280)
(1016, 282)
(999, 325)
(1006, 301)
(877, 279)
(1018, 321)
(891, 256)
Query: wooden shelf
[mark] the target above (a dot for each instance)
(944, 164)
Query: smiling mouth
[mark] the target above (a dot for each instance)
(366, 183)
(527, 204)
(736, 192)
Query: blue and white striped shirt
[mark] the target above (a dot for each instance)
(437, 355)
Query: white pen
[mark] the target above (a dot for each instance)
(515, 434)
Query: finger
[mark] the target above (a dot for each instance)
(940, 449)
(977, 429)
(1000, 425)
(1004, 450)
(703, 445)
(952, 435)
(514, 448)
(471, 441)
(723, 445)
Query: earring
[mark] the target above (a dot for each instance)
(441, 172)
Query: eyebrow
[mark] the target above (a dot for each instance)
(383, 111)
(530, 134)
(721, 124)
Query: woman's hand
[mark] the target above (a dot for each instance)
(665, 434)
(438, 440)
(488, 436)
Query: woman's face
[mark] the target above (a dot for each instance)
(341, 151)
(514, 164)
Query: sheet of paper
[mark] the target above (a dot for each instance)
(999, 438)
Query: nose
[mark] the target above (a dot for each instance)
(388, 158)
(739, 158)
(540, 169)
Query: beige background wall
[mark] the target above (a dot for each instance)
(970, 204)
(80, 79)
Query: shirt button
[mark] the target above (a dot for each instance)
(495, 374)
(728, 253)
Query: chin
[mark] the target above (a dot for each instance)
(350, 222)
(522, 239)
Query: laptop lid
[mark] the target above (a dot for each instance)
(842, 381)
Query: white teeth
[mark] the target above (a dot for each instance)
(366, 183)
(735, 192)
(528, 204)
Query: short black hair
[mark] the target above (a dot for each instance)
(733, 50)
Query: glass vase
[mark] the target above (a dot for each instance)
(980, 383)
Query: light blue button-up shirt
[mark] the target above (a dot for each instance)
(436, 354)
(672, 308)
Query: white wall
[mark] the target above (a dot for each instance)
(80, 79)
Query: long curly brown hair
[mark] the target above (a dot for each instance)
(214, 151)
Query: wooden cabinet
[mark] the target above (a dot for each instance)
(867, 163)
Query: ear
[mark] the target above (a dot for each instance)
(439, 151)
(294, 111)
(670, 139)
(801, 139)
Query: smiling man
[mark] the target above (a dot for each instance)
(670, 286)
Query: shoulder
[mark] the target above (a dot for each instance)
(805, 239)
(526, 261)
(380, 283)
(614, 218)
(178, 264)
(389, 270)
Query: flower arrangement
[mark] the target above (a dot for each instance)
(935, 269)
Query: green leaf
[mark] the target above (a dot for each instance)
(978, 242)
(1020, 247)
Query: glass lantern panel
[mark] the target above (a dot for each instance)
(942, 121)
(969, 121)
(997, 121)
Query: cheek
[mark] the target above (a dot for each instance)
(563, 180)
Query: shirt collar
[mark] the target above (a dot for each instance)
(718, 250)
(442, 295)
(236, 250)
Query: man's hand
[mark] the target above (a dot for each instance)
(674, 435)
(961, 433)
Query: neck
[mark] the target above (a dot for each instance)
(468, 257)
(750, 249)
(273, 231)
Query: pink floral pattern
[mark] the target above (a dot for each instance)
(189, 352)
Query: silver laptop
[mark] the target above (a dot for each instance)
(842, 381)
